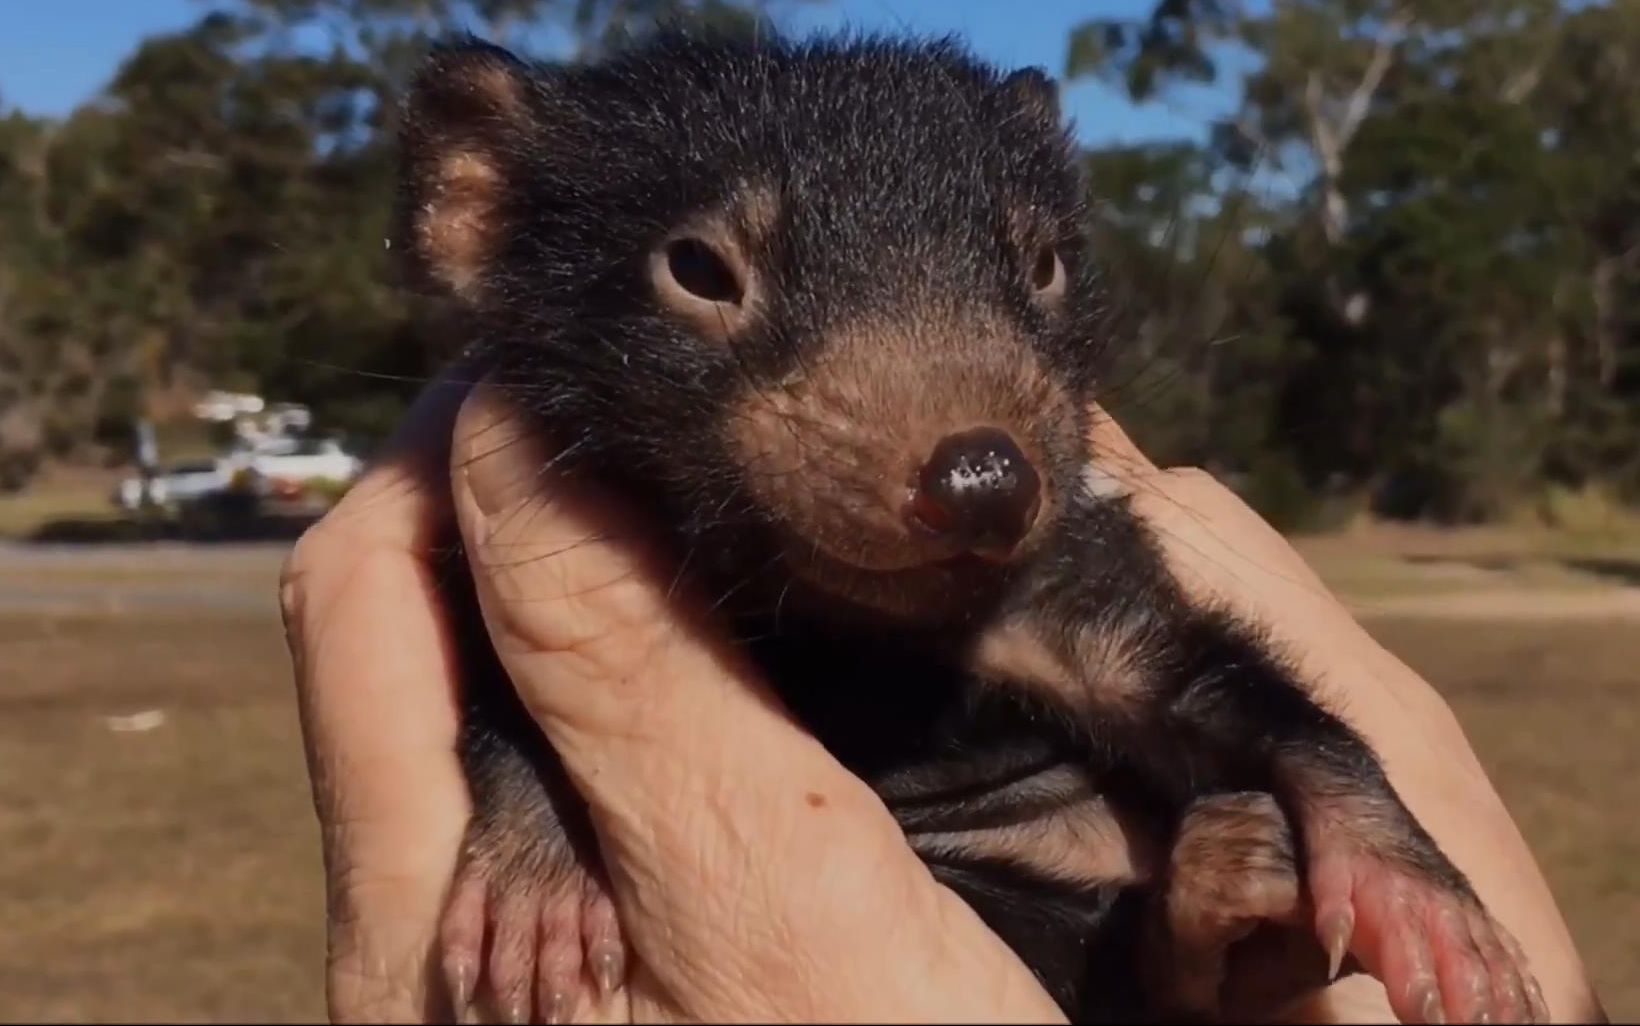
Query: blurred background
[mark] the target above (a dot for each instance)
(1378, 263)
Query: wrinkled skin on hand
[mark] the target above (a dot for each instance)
(741, 895)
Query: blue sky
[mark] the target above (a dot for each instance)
(56, 53)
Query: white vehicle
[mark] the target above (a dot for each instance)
(225, 406)
(178, 483)
(288, 471)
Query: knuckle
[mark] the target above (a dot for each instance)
(607, 650)
(291, 576)
(330, 556)
(618, 612)
(601, 612)
(304, 556)
(363, 984)
(1192, 480)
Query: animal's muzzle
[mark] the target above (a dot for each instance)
(978, 492)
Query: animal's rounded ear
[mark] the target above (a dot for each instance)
(1034, 91)
(465, 110)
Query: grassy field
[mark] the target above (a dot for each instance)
(172, 873)
(85, 497)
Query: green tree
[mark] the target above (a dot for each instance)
(1456, 270)
(218, 216)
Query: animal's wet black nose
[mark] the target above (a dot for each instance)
(978, 488)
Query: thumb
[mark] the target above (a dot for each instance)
(1115, 463)
(756, 878)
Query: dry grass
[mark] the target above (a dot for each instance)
(173, 874)
(21, 515)
(1553, 709)
(159, 876)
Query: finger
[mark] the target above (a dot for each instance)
(403, 500)
(1179, 507)
(749, 867)
(1115, 464)
(376, 699)
(1216, 544)
(1110, 441)
(1206, 532)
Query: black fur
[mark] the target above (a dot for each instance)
(896, 166)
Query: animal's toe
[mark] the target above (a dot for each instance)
(461, 942)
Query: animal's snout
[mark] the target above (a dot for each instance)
(977, 490)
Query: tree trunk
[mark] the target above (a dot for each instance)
(1331, 131)
(1555, 387)
(1608, 316)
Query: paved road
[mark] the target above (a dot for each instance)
(241, 578)
(227, 579)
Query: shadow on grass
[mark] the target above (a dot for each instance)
(1621, 570)
(126, 532)
(1614, 569)
(225, 521)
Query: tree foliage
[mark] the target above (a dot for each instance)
(1437, 311)
(217, 217)
(1441, 313)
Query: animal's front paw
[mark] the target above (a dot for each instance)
(1414, 923)
(1232, 868)
(529, 933)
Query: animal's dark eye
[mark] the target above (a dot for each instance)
(699, 269)
(703, 278)
(1047, 273)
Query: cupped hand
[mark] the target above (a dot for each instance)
(756, 879)
(1223, 552)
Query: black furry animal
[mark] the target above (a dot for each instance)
(828, 307)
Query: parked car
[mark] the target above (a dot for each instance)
(292, 472)
(287, 469)
(176, 484)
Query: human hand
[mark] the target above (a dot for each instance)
(756, 879)
(1224, 552)
(379, 716)
(377, 701)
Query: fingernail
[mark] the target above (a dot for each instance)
(1480, 998)
(1336, 933)
(1430, 1006)
(560, 1007)
(1534, 995)
(290, 609)
(459, 975)
(608, 966)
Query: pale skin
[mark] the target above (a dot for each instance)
(741, 896)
